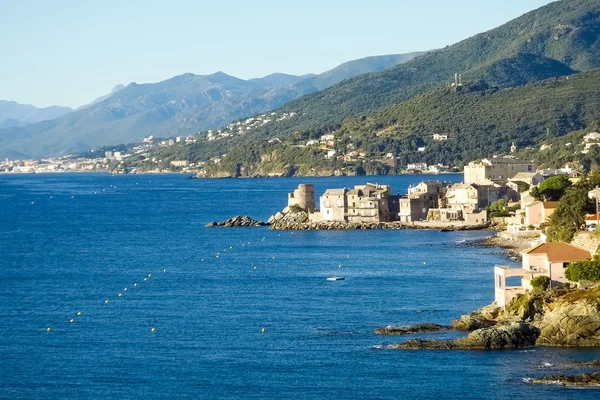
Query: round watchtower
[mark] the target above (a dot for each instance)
(304, 197)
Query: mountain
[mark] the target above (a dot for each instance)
(565, 31)
(102, 98)
(181, 105)
(15, 114)
(480, 121)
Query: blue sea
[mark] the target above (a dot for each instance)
(165, 308)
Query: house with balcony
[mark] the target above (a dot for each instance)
(546, 259)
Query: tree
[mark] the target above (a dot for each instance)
(499, 208)
(552, 189)
(570, 214)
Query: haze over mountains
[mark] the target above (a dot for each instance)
(13, 114)
(182, 105)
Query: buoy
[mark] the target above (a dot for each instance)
(51, 197)
(348, 255)
(248, 242)
(135, 284)
(273, 257)
(164, 270)
(120, 294)
(254, 267)
(125, 289)
(153, 330)
(79, 313)
(340, 266)
(203, 260)
(217, 256)
(72, 320)
(279, 234)
(263, 330)
(106, 301)
(149, 275)
(72, 197)
(243, 245)
(48, 329)
(33, 202)
(145, 279)
(231, 247)
(424, 263)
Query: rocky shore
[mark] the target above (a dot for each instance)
(583, 380)
(560, 317)
(238, 221)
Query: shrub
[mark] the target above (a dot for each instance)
(540, 283)
(584, 270)
(295, 208)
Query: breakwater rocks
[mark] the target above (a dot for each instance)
(410, 329)
(238, 221)
(300, 221)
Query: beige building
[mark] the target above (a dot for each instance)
(364, 203)
(180, 163)
(539, 212)
(420, 199)
(473, 197)
(546, 259)
(498, 170)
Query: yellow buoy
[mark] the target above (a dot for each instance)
(153, 330)
(145, 279)
(164, 270)
(149, 275)
(254, 267)
(72, 320)
(263, 330)
(424, 263)
(48, 329)
(135, 284)
(106, 301)
(120, 294)
(217, 257)
(79, 313)
(231, 247)
(125, 289)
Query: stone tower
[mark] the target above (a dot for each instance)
(304, 196)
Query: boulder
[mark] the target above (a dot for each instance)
(471, 322)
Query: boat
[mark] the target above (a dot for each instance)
(336, 278)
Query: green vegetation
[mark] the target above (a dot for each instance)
(540, 283)
(499, 208)
(584, 270)
(295, 208)
(569, 216)
(552, 189)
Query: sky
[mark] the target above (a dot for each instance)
(69, 52)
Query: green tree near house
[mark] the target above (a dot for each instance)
(570, 214)
(500, 208)
(552, 189)
(584, 270)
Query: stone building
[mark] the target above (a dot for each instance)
(304, 197)
(364, 203)
(497, 170)
(420, 199)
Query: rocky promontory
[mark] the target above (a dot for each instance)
(238, 221)
(558, 317)
(410, 329)
(583, 380)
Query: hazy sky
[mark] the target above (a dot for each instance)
(70, 52)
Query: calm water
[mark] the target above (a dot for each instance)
(86, 238)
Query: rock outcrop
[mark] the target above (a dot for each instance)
(238, 221)
(512, 335)
(583, 380)
(483, 318)
(410, 329)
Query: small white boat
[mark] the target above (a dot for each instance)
(336, 278)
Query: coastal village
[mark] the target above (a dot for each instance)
(449, 206)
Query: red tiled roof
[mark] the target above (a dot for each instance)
(559, 252)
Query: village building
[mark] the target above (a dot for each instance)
(180, 163)
(496, 170)
(439, 137)
(530, 178)
(364, 203)
(546, 259)
(420, 199)
(539, 212)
